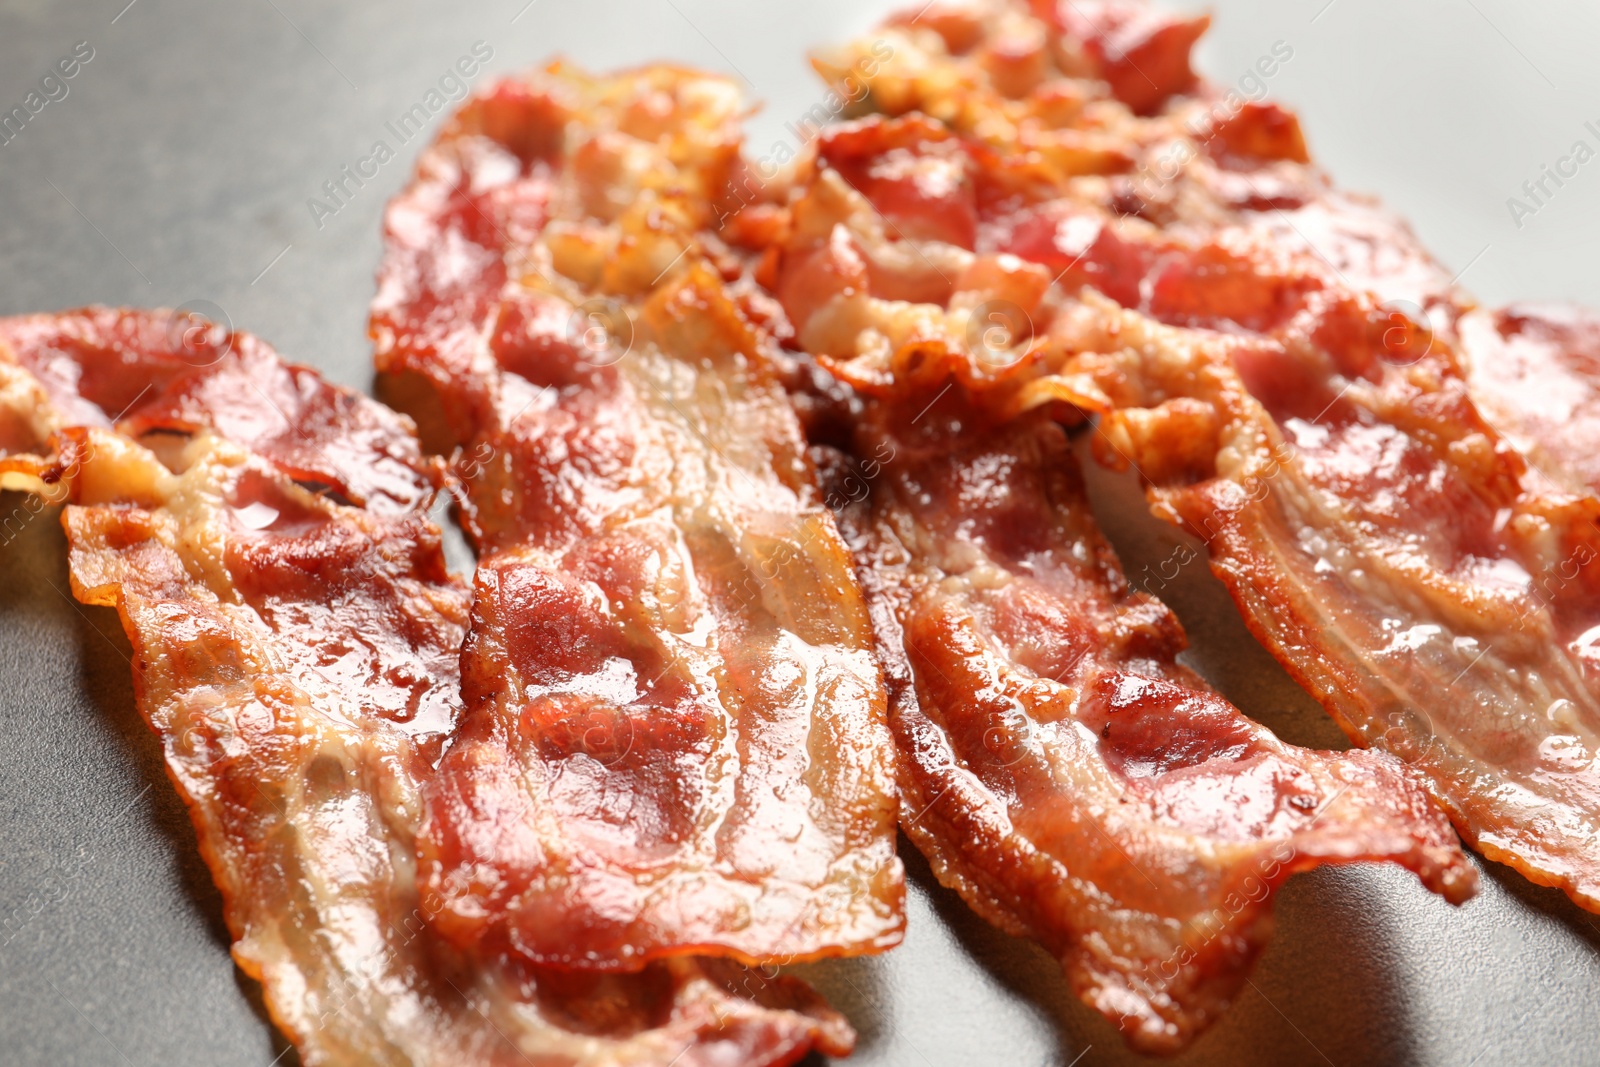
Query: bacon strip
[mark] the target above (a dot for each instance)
(1058, 767)
(1383, 540)
(1534, 369)
(675, 735)
(298, 658)
(149, 373)
(1400, 558)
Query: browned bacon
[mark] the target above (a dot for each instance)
(674, 739)
(298, 658)
(149, 373)
(1534, 369)
(1403, 561)
(1310, 421)
(1057, 766)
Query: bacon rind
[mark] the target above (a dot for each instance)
(1385, 542)
(675, 738)
(299, 660)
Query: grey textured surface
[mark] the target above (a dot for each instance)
(178, 167)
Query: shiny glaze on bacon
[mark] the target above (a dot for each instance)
(1311, 422)
(1057, 766)
(298, 659)
(675, 736)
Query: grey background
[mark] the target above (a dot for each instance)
(178, 169)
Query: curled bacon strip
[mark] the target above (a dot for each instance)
(675, 738)
(150, 373)
(1384, 541)
(298, 659)
(1433, 592)
(1058, 767)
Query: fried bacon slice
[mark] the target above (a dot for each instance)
(1058, 767)
(299, 659)
(1534, 370)
(1403, 561)
(1281, 362)
(149, 373)
(674, 738)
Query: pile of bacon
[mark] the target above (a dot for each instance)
(782, 543)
